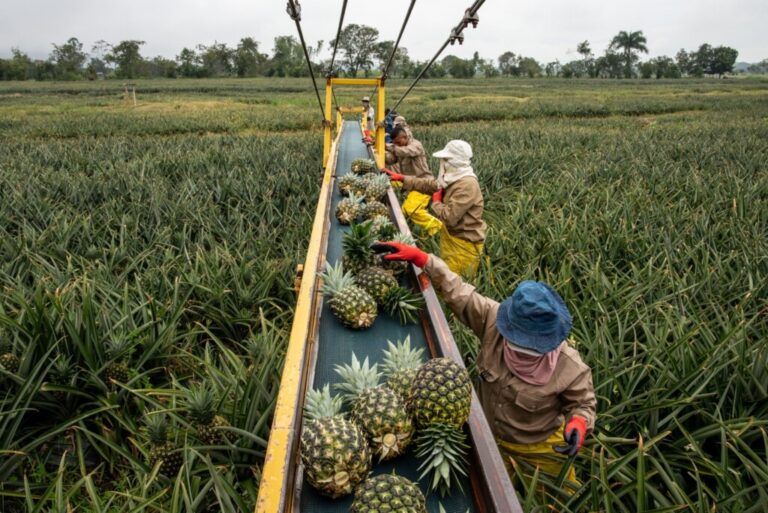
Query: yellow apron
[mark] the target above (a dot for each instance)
(415, 209)
(539, 455)
(462, 257)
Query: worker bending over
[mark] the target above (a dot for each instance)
(408, 157)
(535, 390)
(457, 203)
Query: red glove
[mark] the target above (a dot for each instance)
(406, 253)
(574, 434)
(438, 196)
(395, 177)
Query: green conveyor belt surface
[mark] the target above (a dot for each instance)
(336, 345)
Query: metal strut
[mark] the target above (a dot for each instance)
(294, 11)
(457, 34)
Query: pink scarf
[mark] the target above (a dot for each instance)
(536, 370)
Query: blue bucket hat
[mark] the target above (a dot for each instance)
(534, 317)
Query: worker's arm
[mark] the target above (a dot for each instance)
(457, 205)
(471, 308)
(425, 185)
(579, 398)
(412, 149)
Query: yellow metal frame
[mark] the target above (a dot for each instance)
(380, 106)
(273, 496)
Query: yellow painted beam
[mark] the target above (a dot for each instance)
(380, 132)
(327, 122)
(275, 490)
(355, 81)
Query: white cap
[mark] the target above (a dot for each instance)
(457, 151)
(367, 99)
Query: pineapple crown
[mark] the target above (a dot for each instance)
(403, 304)
(5, 345)
(354, 198)
(319, 404)
(356, 378)
(405, 238)
(379, 181)
(62, 367)
(118, 347)
(357, 242)
(157, 427)
(335, 279)
(401, 356)
(200, 403)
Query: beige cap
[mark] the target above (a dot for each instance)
(367, 99)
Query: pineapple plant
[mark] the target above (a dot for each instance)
(354, 307)
(376, 187)
(388, 492)
(201, 408)
(356, 244)
(400, 365)
(348, 209)
(440, 399)
(346, 183)
(118, 354)
(9, 361)
(374, 208)
(334, 450)
(363, 166)
(63, 374)
(376, 408)
(162, 450)
(377, 282)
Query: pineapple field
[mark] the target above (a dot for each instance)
(148, 255)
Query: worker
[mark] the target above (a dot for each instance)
(535, 390)
(370, 116)
(388, 124)
(407, 157)
(457, 203)
(400, 121)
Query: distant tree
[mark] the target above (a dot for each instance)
(160, 67)
(683, 60)
(530, 67)
(647, 69)
(188, 61)
(43, 70)
(247, 59)
(587, 57)
(760, 67)
(287, 58)
(552, 69)
(216, 59)
(358, 44)
(665, 67)
(610, 65)
(126, 56)
(509, 64)
(458, 67)
(18, 67)
(700, 61)
(574, 69)
(400, 62)
(723, 60)
(69, 59)
(487, 68)
(629, 43)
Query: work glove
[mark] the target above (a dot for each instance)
(367, 141)
(395, 177)
(437, 197)
(402, 252)
(574, 434)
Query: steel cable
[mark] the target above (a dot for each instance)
(294, 11)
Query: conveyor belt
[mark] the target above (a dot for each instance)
(336, 345)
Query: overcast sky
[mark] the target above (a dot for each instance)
(544, 29)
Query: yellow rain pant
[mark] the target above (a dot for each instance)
(462, 257)
(540, 455)
(415, 209)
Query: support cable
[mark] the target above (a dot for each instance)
(457, 34)
(336, 41)
(294, 11)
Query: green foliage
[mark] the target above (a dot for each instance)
(126, 56)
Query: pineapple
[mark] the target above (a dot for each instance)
(334, 450)
(63, 374)
(374, 208)
(388, 492)
(400, 364)
(403, 304)
(376, 281)
(376, 187)
(352, 305)
(382, 228)
(440, 398)
(363, 166)
(376, 408)
(202, 412)
(348, 209)
(357, 247)
(10, 362)
(347, 182)
(395, 266)
(117, 371)
(161, 449)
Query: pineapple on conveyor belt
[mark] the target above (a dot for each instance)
(346, 183)
(400, 364)
(377, 282)
(354, 307)
(374, 209)
(356, 244)
(161, 449)
(398, 267)
(383, 228)
(376, 187)
(334, 450)
(201, 407)
(348, 209)
(377, 409)
(390, 493)
(363, 166)
(440, 399)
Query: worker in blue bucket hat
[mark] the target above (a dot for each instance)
(536, 391)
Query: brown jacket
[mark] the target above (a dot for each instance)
(517, 411)
(411, 160)
(461, 210)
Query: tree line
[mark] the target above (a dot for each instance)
(360, 53)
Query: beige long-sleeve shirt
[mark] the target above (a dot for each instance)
(518, 412)
(461, 210)
(411, 160)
